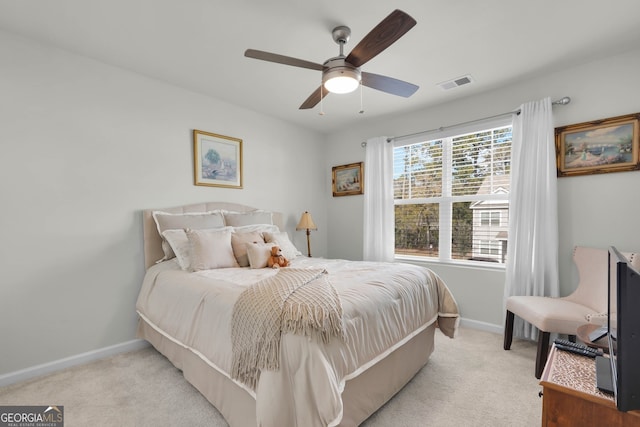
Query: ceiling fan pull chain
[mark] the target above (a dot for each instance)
(361, 104)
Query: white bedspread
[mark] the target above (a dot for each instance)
(385, 305)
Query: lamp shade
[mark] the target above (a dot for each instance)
(306, 222)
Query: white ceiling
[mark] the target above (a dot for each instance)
(200, 44)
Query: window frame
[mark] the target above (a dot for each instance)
(446, 200)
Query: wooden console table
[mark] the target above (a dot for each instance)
(571, 398)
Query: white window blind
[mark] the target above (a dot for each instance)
(451, 194)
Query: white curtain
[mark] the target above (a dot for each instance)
(379, 225)
(532, 252)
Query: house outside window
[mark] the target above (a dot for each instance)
(451, 195)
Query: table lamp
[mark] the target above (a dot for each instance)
(306, 223)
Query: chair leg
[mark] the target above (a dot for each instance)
(543, 352)
(508, 330)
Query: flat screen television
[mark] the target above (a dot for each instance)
(623, 324)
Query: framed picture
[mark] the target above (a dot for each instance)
(348, 179)
(217, 160)
(600, 146)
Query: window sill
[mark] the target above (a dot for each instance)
(476, 265)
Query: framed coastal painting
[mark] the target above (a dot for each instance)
(217, 160)
(348, 180)
(600, 146)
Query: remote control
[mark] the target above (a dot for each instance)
(574, 350)
(577, 348)
(598, 333)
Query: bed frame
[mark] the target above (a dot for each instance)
(362, 395)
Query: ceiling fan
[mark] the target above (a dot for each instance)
(342, 74)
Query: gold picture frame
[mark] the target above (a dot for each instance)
(217, 160)
(599, 146)
(348, 180)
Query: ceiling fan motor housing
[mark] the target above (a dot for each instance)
(338, 68)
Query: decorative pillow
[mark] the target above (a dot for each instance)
(239, 243)
(179, 243)
(281, 238)
(195, 221)
(210, 249)
(237, 219)
(247, 234)
(258, 254)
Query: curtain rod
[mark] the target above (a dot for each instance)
(563, 101)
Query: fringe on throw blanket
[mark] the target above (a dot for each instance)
(299, 301)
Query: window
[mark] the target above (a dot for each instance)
(490, 218)
(452, 195)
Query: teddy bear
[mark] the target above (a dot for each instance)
(277, 260)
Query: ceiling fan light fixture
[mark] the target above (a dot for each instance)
(341, 84)
(341, 79)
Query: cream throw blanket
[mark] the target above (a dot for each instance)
(300, 301)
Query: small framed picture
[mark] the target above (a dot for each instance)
(217, 160)
(600, 146)
(348, 180)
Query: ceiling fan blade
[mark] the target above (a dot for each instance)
(388, 84)
(281, 59)
(314, 98)
(381, 37)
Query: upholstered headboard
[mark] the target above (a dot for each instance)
(153, 241)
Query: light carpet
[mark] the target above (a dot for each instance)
(469, 381)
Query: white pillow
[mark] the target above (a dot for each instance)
(260, 228)
(180, 221)
(281, 238)
(237, 219)
(210, 248)
(258, 254)
(179, 244)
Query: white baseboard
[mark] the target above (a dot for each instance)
(483, 326)
(67, 362)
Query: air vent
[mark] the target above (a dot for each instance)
(453, 83)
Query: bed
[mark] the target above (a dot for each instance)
(389, 313)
